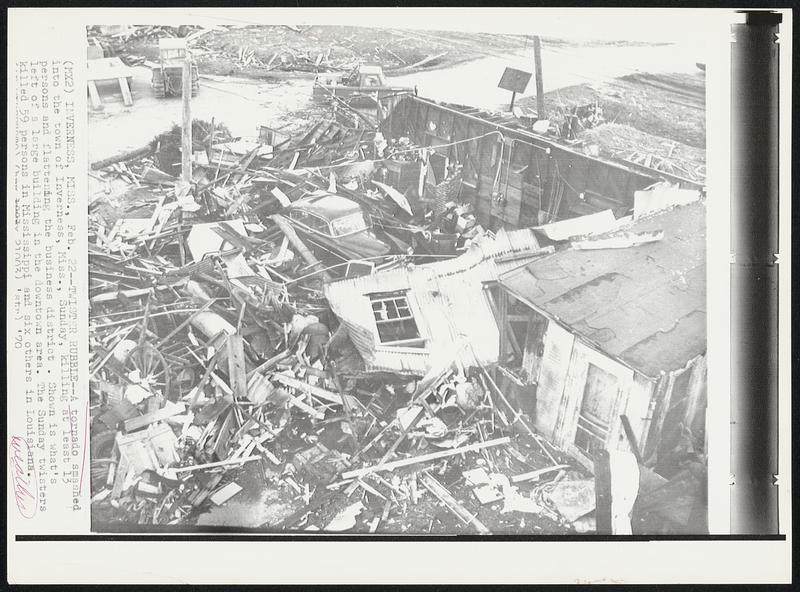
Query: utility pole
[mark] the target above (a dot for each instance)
(186, 136)
(537, 58)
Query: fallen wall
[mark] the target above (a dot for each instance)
(514, 178)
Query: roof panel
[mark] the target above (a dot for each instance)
(645, 305)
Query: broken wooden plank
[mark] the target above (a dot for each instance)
(282, 198)
(127, 98)
(145, 420)
(186, 322)
(226, 493)
(303, 386)
(287, 229)
(300, 404)
(237, 374)
(97, 102)
(213, 465)
(530, 476)
(221, 449)
(390, 466)
(452, 504)
(269, 363)
(626, 425)
(355, 441)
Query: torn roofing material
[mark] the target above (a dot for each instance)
(645, 305)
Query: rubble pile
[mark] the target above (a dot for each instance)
(214, 353)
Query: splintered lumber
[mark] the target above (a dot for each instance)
(425, 386)
(130, 155)
(212, 465)
(390, 466)
(226, 493)
(145, 420)
(517, 415)
(236, 366)
(452, 504)
(298, 244)
(346, 404)
(270, 363)
(191, 318)
(536, 474)
(298, 402)
(308, 388)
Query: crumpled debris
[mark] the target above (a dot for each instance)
(572, 499)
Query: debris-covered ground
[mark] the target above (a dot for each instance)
(260, 51)
(220, 377)
(656, 120)
(224, 391)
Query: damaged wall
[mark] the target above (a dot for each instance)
(515, 178)
(579, 395)
(446, 300)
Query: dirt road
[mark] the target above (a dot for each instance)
(241, 104)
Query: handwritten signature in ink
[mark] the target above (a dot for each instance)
(23, 479)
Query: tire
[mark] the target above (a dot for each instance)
(159, 87)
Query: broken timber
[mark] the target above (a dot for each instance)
(298, 244)
(390, 466)
(452, 504)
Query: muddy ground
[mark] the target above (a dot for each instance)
(654, 119)
(671, 106)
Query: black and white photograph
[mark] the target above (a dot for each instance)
(389, 295)
(388, 281)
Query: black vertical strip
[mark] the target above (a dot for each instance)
(754, 274)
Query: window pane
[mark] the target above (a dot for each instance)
(391, 309)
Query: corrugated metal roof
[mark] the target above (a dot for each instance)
(645, 305)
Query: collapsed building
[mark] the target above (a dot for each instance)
(513, 177)
(519, 306)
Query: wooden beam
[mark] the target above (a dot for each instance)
(303, 386)
(536, 474)
(626, 425)
(602, 492)
(390, 466)
(186, 130)
(212, 465)
(287, 229)
(127, 98)
(451, 503)
(236, 367)
(145, 420)
(97, 102)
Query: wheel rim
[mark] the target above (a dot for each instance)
(152, 367)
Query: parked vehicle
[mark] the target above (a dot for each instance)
(168, 73)
(336, 225)
(358, 88)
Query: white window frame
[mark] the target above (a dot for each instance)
(395, 297)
